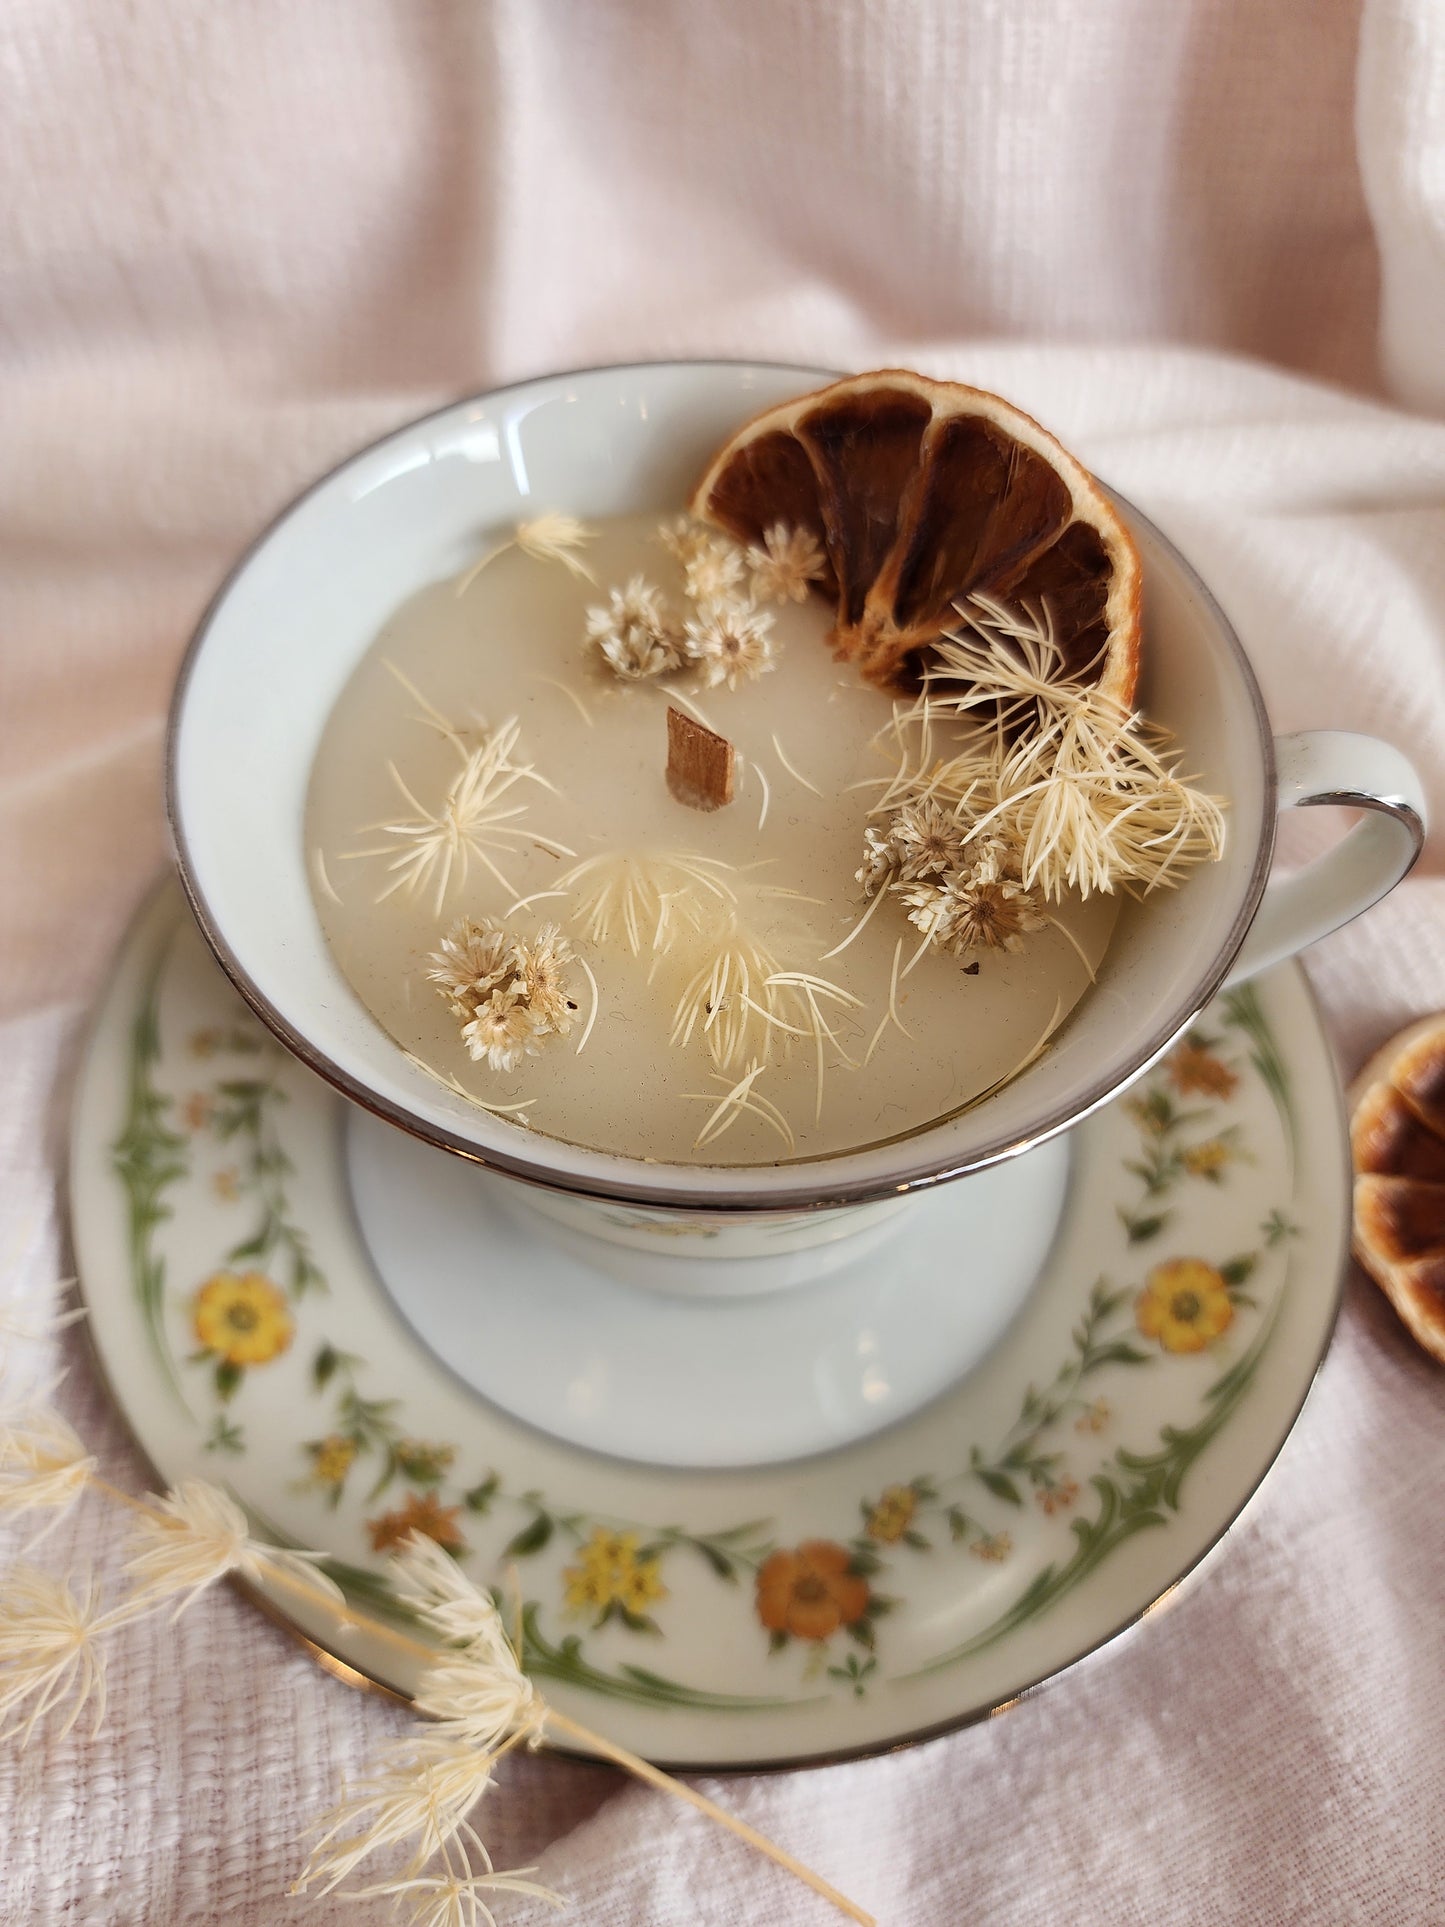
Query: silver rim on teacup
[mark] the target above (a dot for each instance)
(211, 735)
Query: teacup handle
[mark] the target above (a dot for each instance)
(1336, 766)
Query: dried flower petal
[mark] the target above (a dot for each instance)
(477, 817)
(928, 841)
(420, 1793)
(683, 537)
(554, 538)
(713, 572)
(197, 1534)
(455, 1900)
(430, 1581)
(42, 1462)
(48, 1650)
(787, 564)
(730, 644)
(881, 861)
(972, 909)
(634, 633)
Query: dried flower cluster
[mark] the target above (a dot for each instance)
(1090, 794)
(635, 633)
(727, 638)
(962, 895)
(508, 992)
(1053, 789)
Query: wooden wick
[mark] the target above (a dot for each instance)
(699, 763)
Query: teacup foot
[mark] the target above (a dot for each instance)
(554, 1330)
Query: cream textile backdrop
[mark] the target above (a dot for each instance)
(237, 240)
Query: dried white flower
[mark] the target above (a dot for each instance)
(454, 1898)
(507, 992)
(977, 908)
(478, 816)
(786, 565)
(683, 537)
(42, 1462)
(556, 538)
(648, 900)
(634, 633)
(880, 864)
(927, 839)
(482, 1702)
(730, 644)
(427, 1578)
(48, 1649)
(550, 537)
(417, 1794)
(197, 1534)
(713, 571)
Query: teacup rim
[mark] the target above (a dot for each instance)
(731, 1193)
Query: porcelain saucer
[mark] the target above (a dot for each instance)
(738, 1615)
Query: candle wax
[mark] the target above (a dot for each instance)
(809, 739)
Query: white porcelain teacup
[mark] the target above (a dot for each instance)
(287, 628)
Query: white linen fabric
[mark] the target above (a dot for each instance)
(236, 242)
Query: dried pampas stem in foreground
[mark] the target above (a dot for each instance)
(477, 1698)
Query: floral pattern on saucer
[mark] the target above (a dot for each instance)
(1046, 1501)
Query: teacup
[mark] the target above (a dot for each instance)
(288, 626)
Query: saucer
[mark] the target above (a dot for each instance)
(744, 1614)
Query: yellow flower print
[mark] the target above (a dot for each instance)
(893, 1514)
(242, 1317)
(1185, 1304)
(1096, 1417)
(227, 1186)
(609, 1573)
(993, 1546)
(332, 1458)
(1207, 1160)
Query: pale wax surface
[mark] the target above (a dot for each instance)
(235, 248)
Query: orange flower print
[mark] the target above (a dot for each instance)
(1185, 1305)
(1057, 1498)
(810, 1592)
(1096, 1417)
(242, 1317)
(893, 1514)
(197, 1110)
(424, 1514)
(992, 1546)
(1193, 1069)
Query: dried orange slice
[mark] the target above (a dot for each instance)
(922, 492)
(1397, 1139)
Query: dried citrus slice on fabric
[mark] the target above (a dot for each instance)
(922, 492)
(1397, 1139)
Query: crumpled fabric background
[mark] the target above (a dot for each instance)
(237, 242)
